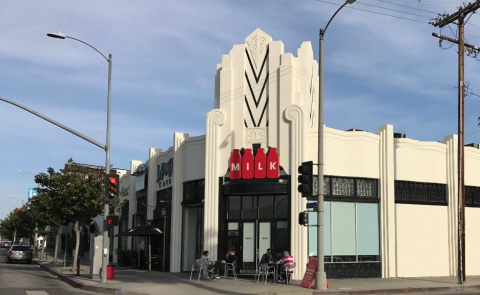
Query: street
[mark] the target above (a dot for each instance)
(30, 279)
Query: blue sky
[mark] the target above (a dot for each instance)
(378, 70)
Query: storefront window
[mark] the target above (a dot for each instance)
(368, 232)
(234, 209)
(343, 232)
(312, 233)
(282, 239)
(249, 207)
(281, 207)
(351, 232)
(265, 207)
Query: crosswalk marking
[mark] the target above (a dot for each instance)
(36, 293)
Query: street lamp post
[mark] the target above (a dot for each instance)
(20, 171)
(23, 202)
(59, 35)
(321, 277)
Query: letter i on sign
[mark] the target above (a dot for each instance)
(235, 165)
(260, 163)
(247, 164)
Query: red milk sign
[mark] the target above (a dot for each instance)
(260, 163)
(258, 167)
(247, 164)
(272, 163)
(236, 165)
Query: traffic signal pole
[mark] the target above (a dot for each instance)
(107, 171)
(321, 276)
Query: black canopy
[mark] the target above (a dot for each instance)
(144, 230)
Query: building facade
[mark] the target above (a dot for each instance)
(390, 201)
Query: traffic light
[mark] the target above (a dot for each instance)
(305, 179)
(112, 192)
(112, 220)
(303, 218)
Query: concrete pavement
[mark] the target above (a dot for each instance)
(28, 279)
(132, 281)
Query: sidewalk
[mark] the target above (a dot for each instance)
(132, 281)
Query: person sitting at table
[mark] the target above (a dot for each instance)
(221, 265)
(287, 262)
(267, 257)
(204, 261)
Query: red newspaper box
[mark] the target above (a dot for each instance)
(110, 272)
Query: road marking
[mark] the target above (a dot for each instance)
(36, 293)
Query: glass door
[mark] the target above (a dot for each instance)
(249, 251)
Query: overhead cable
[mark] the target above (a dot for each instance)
(380, 13)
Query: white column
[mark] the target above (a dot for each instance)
(298, 233)
(177, 197)
(452, 185)
(215, 119)
(386, 188)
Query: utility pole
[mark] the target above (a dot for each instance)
(441, 21)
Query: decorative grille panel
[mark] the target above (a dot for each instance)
(410, 192)
(472, 196)
(348, 189)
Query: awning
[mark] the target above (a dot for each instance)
(144, 230)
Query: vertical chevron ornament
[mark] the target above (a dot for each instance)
(256, 78)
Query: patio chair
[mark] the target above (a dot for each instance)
(287, 269)
(232, 269)
(197, 266)
(265, 270)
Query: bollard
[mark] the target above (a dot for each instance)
(78, 266)
(46, 255)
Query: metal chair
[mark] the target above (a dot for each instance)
(265, 270)
(288, 268)
(232, 269)
(197, 266)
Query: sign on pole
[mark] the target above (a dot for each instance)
(31, 193)
(309, 273)
(47, 228)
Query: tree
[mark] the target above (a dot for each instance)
(46, 205)
(82, 197)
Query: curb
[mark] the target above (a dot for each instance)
(80, 285)
(402, 290)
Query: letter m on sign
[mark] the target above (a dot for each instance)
(235, 166)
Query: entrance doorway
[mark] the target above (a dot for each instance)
(255, 223)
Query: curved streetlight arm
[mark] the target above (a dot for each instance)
(88, 45)
(55, 123)
(20, 171)
(322, 32)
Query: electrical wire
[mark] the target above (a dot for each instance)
(409, 7)
(380, 13)
(393, 9)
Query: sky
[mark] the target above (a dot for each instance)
(379, 69)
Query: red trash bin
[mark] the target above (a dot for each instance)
(110, 272)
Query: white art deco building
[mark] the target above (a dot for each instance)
(391, 201)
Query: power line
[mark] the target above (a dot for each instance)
(393, 9)
(409, 7)
(414, 20)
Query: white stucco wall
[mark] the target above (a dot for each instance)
(420, 161)
(193, 153)
(472, 166)
(472, 237)
(422, 240)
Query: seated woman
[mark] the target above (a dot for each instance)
(221, 265)
(287, 262)
(204, 261)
